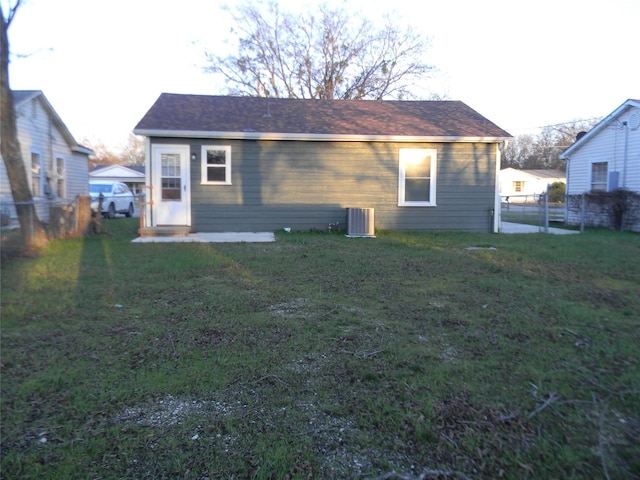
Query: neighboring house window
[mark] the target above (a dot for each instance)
(417, 177)
(171, 176)
(599, 176)
(36, 175)
(518, 187)
(216, 165)
(60, 177)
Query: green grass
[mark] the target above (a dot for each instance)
(319, 356)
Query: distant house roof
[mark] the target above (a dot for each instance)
(538, 174)
(135, 168)
(122, 173)
(271, 118)
(612, 117)
(21, 97)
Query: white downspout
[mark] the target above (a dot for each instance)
(626, 153)
(148, 192)
(497, 208)
(566, 190)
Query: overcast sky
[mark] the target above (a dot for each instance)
(521, 63)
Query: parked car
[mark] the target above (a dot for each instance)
(116, 198)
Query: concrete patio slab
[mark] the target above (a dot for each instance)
(255, 237)
(508, 227)
(224, 237)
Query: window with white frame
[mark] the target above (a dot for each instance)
(417, 177)
(171, 177)
(60, 177)
(216, 165)
(599, 176)
(36, 174)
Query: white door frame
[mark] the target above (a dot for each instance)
(171, 211)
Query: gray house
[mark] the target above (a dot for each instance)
(221, 163)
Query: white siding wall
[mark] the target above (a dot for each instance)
(77, 176)
(532, 184)
(5, 188)
(607, 146)
(37, 133)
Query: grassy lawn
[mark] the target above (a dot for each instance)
(319, 356)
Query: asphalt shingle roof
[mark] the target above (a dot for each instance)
(201, 113)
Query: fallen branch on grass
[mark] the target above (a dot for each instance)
(552, 398)
(273, 377)
(428, 472)
(363, 353)
(602, 441)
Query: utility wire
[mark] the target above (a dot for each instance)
(573, 122)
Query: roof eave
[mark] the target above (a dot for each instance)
(83, 150)
(601, 125)
(108, 168)
(32, 94)
(53, 115)
(314, 137)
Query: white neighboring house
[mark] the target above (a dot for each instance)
(518, 186)
(606, 159)
(56, 163)
(132, 176)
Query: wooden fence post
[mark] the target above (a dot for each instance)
(83, 215)
(582, 212)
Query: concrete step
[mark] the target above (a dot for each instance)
(165, 231)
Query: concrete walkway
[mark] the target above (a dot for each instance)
(225, 237)
(508, 227)
(253, 237)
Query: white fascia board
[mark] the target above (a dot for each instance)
(81, 149)
(57, 121)
(594, 131)
(116, 171)
(315, 137)
(64, 131)
(27, 99)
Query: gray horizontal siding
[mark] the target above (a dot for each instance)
(307, 185)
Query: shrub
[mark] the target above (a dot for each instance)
(557, 192)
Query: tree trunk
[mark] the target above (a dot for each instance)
(32, 229)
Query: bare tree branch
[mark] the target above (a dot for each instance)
(324, 54)
(542, 150)
(11, 14)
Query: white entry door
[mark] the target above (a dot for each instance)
(171, 190)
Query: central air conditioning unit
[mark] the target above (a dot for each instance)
(360, 222)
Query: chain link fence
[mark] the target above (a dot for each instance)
(615, 210)
(60, 217)
(541, 210)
